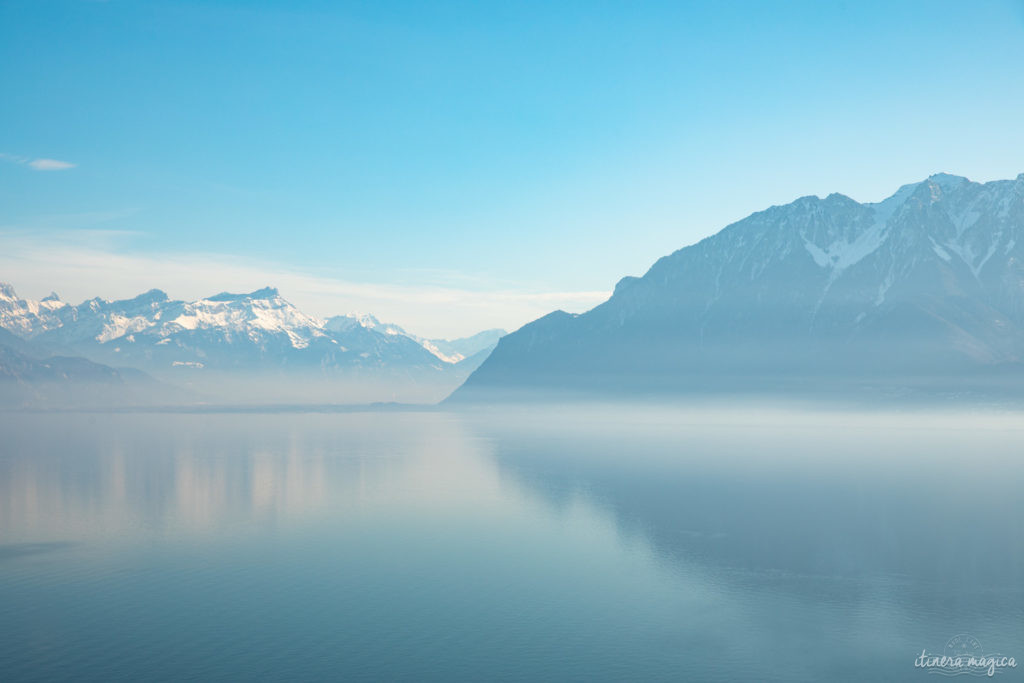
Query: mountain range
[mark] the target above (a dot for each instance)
(254, 346)
(923, 291)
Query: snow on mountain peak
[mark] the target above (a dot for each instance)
(341, 323)
(24, 316)
(366, 320)
(439, 348)
(845, 236)
(159, 332)
(249, 314)
(344, 323)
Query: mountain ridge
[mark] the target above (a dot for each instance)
(211, 340)
(927, 282)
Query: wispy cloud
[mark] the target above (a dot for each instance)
(40, 164)
(82, 264)
(50, 165)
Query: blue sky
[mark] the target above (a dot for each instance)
(454, 166)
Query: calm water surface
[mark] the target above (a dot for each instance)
(557, 544)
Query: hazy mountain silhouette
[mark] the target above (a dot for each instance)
(924, 290)
(29, 377)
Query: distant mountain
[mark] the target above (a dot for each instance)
(465, 349)
(25, 317)
(259, 338)
(924, 290)
(448, 350)
(30, 380)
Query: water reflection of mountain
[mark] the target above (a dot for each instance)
(70, 475)
(934, 498)
(595, 544)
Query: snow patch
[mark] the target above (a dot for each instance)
(455, 358)
(942, 253)
(119, 325)
(841, 254)
(817, 253)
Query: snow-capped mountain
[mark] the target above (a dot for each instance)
(153, 330)
(25, 317)
(448, 350)
(258, 332)
(926, 284)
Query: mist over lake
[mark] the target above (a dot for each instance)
(569, 542)
(511, 341)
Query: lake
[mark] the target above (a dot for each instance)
(551, 543)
